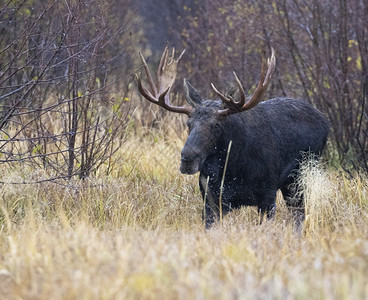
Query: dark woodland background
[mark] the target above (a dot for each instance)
(67, 70)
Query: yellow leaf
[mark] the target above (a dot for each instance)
(359, 63)
(353, 43)
(98, 81)
(36, 149)
(115, 108)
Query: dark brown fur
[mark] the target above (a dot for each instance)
(267, 146)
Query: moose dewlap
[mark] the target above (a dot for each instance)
(267, 141)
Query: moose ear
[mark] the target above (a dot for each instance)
(191, 94)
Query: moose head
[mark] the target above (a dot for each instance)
(206, 117)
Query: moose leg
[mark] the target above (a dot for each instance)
(268, 210)
(210, 213)
(209, 216)
(267, 206)
(295, 202)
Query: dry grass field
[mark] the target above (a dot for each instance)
(137, 234)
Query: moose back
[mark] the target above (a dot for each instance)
(267, 141)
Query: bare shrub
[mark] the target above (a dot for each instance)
(65, 75)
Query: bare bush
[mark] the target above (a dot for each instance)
(65, 73)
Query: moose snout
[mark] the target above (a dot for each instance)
(190, 161)
(188, 154)
(184, 160)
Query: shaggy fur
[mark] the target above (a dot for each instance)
(267, 144)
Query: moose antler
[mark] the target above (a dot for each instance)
(166, 74)
(241, 105)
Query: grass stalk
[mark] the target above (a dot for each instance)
(204, 201)
(222, 181)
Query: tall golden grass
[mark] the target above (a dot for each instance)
(137, 234)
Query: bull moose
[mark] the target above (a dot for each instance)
(267, 141)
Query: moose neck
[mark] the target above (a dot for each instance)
(246, 144)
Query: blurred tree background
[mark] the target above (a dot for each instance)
(67, 69)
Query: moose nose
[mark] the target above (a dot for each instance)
(185, 157)
(189, 153)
